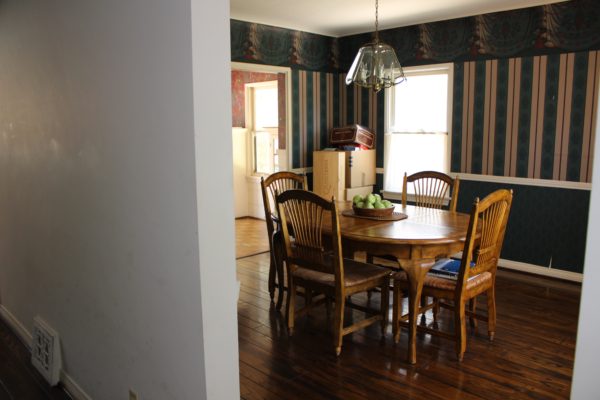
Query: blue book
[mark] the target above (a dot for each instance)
(447, 268)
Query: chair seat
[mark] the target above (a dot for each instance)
(435, 282)
(355, 273)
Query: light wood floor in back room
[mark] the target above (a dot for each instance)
(531, 357)
(250, 237)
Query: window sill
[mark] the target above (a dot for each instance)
(254, 178)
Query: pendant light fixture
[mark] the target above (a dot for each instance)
(376, 65)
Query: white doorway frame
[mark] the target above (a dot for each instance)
(240, 66)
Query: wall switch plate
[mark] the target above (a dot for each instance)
(45, 351)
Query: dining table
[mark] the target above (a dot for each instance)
(416, 241)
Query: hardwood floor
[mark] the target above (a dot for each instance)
(530, 358)
(18, 379)
(250, 237)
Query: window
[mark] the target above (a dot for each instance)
(264, 127)
(417, 124)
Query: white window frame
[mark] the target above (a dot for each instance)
(249, 105)
(447, 68)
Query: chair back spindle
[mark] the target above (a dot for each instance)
(319, 268)
(491, 215)
(275, 183)
(305, 212)
(431, 189)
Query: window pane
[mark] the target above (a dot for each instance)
(265, 103)
(421, 103)
(416, 137)
(412, 153)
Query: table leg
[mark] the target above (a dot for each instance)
(416, 271)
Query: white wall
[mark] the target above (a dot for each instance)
(109, 121)
(586, 384)
(212, 106)
(256, 207)
(240, 186)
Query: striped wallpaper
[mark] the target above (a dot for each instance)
(530, 117)
(315, 111)
(363, 107)
(322, 101)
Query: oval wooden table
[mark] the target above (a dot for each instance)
(426, 234)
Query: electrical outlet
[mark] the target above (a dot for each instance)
(45, 351)
(133, 395)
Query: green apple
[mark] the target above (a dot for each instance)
(357, 199)
(368, 205)
(387, 203)
(370, 198)
(360, 204)
(377, 197)
(378, 204)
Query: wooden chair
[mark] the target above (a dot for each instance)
(477, 273)
(311, 266)
(275, 183)
(431, 189)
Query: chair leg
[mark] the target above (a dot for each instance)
(272, 272)
(472, 308)
(290, 305)
(278, 258)
(460, 329)
(385, 305)
(423, 305)
(491, 300)
(338, 325)
(396, 313)
(308, 295)
(436, 309)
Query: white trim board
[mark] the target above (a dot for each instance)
(541, 270)
(250, 67)
(517, 181)
(524, 181)
(301, 171)
(25, 336)
(16, 326)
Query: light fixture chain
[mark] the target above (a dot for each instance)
(376, 20)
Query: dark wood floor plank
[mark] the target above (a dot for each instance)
(531, 357)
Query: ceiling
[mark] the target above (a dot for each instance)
(346, 17)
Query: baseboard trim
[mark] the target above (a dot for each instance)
(72, 387)
(540, 270)
(16, 326)
(25, 336)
